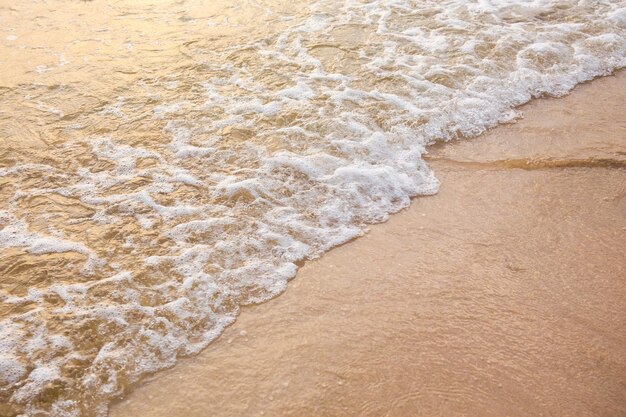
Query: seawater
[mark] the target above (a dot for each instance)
(164, 163)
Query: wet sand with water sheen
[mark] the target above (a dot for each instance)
(164, 163)
(503, 295)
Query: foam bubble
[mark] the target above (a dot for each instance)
(275, 150)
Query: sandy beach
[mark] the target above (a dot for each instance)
(242, 208)
(502, 295)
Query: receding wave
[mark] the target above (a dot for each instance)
(161, 168)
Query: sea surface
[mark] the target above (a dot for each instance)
(163, 163)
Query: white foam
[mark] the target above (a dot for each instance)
(11, 370)
(283, 170)
(619, 17)
(164, 109)
(16, 234)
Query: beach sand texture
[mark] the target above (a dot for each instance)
(503, 295)
(165, 165)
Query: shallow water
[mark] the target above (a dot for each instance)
(164, 163)
(501, 295)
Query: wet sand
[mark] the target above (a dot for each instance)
(503, 295)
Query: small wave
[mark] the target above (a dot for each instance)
(137, 238)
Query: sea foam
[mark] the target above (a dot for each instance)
(287, 146)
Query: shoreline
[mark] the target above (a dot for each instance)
(453, 306)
